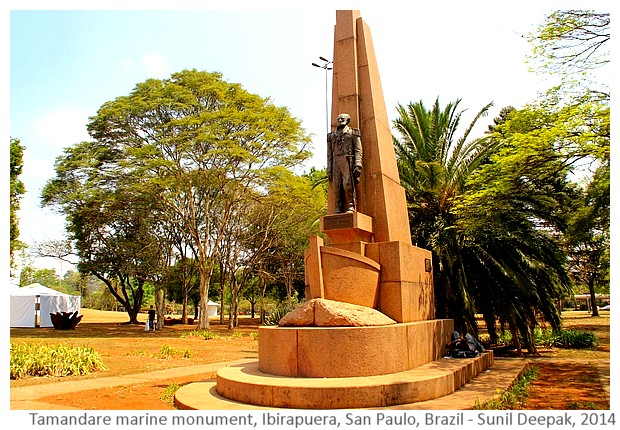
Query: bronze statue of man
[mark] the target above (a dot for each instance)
(344, 163)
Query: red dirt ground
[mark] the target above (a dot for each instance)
(567, 379)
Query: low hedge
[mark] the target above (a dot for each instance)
(38, 359)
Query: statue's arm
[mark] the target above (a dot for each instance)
(357, 147)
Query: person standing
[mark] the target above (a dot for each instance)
(151, 321)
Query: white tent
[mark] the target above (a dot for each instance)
(35, 299)
(212, 309)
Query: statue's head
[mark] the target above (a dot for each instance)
(343, 119)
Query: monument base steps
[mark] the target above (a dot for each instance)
(249, 388)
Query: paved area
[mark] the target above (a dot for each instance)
(484, 387)
(26, 397)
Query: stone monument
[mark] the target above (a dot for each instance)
(378, 230)
(367, 336)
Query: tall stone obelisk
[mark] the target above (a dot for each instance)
(377, 232)
(357, 91)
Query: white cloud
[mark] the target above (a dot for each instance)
(156, 65)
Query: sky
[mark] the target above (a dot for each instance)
(63, 62)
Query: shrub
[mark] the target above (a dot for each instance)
(580, 405)
(139, 353)
(28, 359)
(167, 352)
(547, 338)
(544, 338)
(168, 395)
(274, 317)
(504, 338)
(205, 334)
(575, 339)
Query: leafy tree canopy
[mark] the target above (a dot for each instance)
(17, 189)
(184, 153)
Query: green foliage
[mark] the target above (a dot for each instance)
(434, 165)
(139, 353)
(46, 277)
(547, 338)
(575, 339)
(573, 40)
(168, 395)
(588, 235)
(17, 189)
(203, 333)
(581, 406)
(29, 359)
(167, 352)
(274, 317)
(173, 166)
(512, 398)
(544, 338)
(522, 203)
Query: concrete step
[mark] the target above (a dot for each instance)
(245, 387)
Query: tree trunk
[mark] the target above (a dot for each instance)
(222, 291)
(234, 300)
(592, 296)
(263, 293)
(184, 303)
(131, 309)
(160, 307)
(205, 279)
(515, 338)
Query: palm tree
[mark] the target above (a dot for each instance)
(490, 257)
(433, 168)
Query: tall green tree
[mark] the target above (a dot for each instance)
(489, 209)
(296, 207)
(588, 236)
(46, 277)
(512, 216)
(574, 45)
(113, 229)
(17, 189)
(199, 147)
(272, 234)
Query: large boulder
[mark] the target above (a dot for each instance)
(331, 313)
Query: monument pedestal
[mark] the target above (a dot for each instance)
(339, 352)
(393, 277)
(350, 231)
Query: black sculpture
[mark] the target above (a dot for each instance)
(65, 320)
(344, 163)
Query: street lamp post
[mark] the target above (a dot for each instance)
(327, 67)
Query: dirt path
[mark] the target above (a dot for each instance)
(570, 384)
